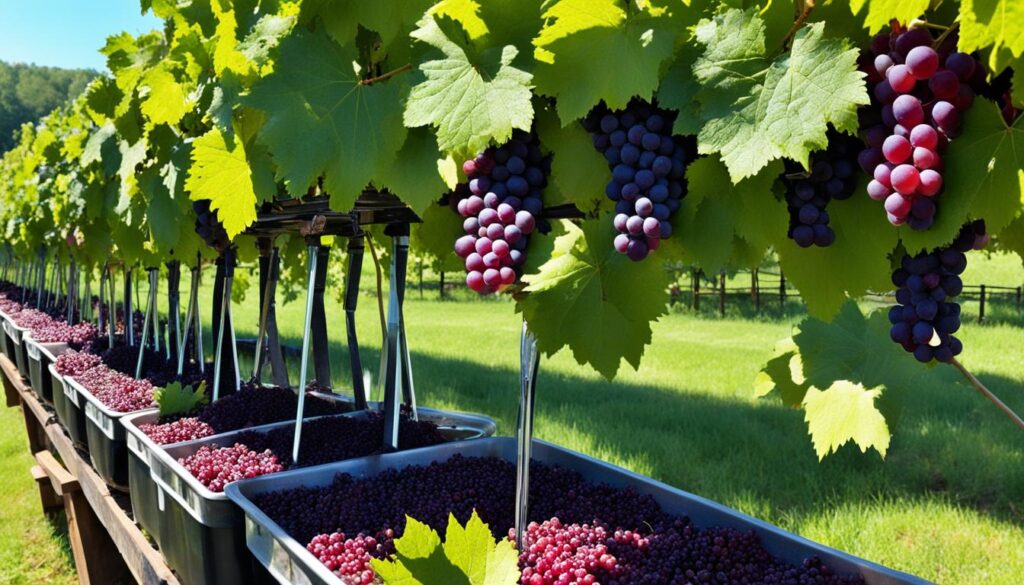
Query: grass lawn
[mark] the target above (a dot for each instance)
(945, 504)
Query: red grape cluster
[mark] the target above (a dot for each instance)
(506, 186)
(921, 93)
(46, 329)
(831, 176)
(575, 554)
(926, 318)
(117, 391)
(218, 466)
(76, 363)
(348, 558)
(184, 429)
(648, 165)
(9, 306)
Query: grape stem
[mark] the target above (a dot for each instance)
(808, 7)
(380, 286)
(974, 381)
(952, 28)
(386, 76)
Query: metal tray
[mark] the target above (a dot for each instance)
(108, 446)
(202, 533)
(40, 356)
(290, 562)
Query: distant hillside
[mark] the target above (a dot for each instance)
(28, 92)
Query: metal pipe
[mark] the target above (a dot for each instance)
(529, 360)
(352, 278)
(393, 368)
(257, 361)
(129, 310)
(150, 306)
(303, 368)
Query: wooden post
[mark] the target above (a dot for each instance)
(981, 310)
(721, 294)
(1018, 297)
(36, 433)
(696, 290)
(756, 285)
(782, 290)
(421, 279)
(50, 500)
(440, 290)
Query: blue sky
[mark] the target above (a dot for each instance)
(66, 33)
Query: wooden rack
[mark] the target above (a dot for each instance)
(107, 545)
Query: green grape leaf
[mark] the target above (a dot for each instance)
(436, 235)
(177, 399)
(783, 374)
(163, 215)
(579, 173)
(265, 37)
(321, 121)
(880, 12)
(221, 173)
(587, 289)
(856, 263)
(984, 178)
(102, 147)
(473, 550)
(414, 175)
(1012, 237)
(164, 100)
(102, 98)
(341, 18)
(842, 413)
(467, 108)
(619, 54)
(678, 91)
(132, 156)
(999, 23)
(757, 108)
(715, 211)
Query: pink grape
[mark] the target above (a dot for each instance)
(907, 109)
(492, 277)
(506, 213)
(500, 248)
(900, 79)
(881, 175)
(488, 216)
(465, 245)
(483, 246)
(621, 243)
(895, 220)
(897, 149)
(925, 158)
(922, 62)
(525, 222)
(897, 205)
(931, 183)
(491, 260)
(945, 116)
(924, 136)
(635, 225)
(878, 191)
(652, 227)
(512, 234)
(905, 179)
(475, 262)
(508, 276)
(902, 131)
(882, 64)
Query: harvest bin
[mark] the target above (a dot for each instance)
(69, 409)
(6, 343)
(147, 498)
(202, 533)
(17, 336)
(108, 448)
(290, 562)
(40, 356)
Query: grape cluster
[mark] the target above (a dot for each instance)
(218, 466)
(648, 545)
(255, 405)
(831, 176)
(926, 318)
(183, 429)
(348, 558)
(921, 93)
(46, 329)
(209, 228)
(115, 390)
(76, 363)
(505, 196)
(648, 166)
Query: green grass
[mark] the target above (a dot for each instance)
(945, 504)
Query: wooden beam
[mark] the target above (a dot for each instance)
(63, 482)
(50, 500)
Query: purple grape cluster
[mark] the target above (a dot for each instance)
(648, 168)
(920, 94)
(831, 176)
(75, 363)
(643, 545)
(257, 405)
(216, 467)
(926, 318)
(209, 228)
(500, 204)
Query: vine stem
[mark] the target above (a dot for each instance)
(952, 28)
(988, 393)
(386, 76)
(806, 12)
(380, 285)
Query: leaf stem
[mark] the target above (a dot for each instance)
(932, 25)
(952, 28)
(988, 394)
(386, 76)
(380, 285)
(806, 12)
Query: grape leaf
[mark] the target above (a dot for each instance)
(177, 399)
(414, 175)
(857, 262)
(321, 121)
(678, 91)
(784, 374)
(1012, 237)
(102, 147)
(102, 97)
(387, 18)
(163, 215)
(984, 178)
(999, 23)
(618, 54)
(132, 156)
(468, 109)
(578, 171)
(586, 290)
(842, 413)
(473, 550)
(164, 100)
(880, 12)
(715, 210)
(221, 173)
(436, 235)
(757, 108)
